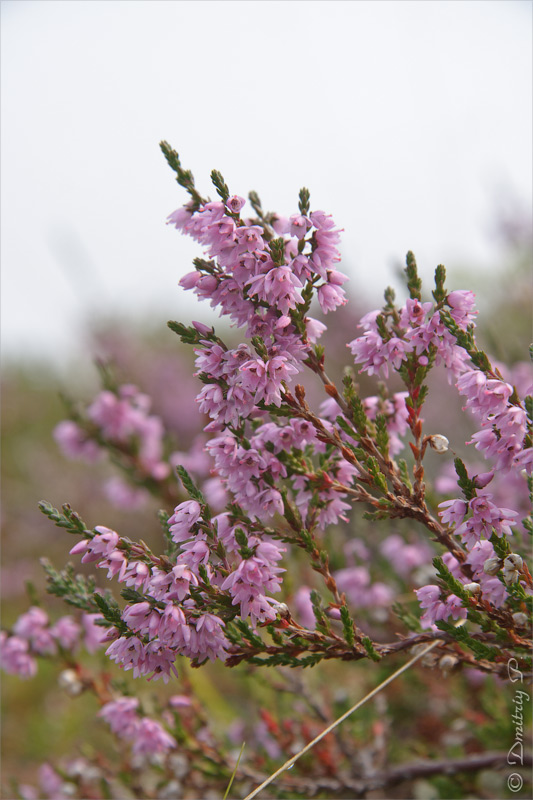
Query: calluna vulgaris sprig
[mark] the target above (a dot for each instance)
(283, 474)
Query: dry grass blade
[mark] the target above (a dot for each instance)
(333, 725)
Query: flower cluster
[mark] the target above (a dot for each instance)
(271, 486)
(120, 421)
(264, 284)
(33, 635)
(147, 736)
(502, 417)
(169, 616)
(416, 329)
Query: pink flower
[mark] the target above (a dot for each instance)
(179, 218)
(454, 511)
(184, 518)
(121, 716)
(15, 658)
(304, 608)
(180, 701)
(51, 783)
(330, 296)
(150, 738)
(299, 225)
(66, 632)
(95, 635)
(235, 203)
(174, 630)
(100, 546)
(207, 639)
(122, 495)
(75, 443)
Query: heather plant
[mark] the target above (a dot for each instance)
(295, 529)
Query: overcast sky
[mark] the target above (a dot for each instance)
(408, 121)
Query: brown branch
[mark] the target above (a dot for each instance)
(393, 776)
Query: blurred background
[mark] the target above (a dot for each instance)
(410, 122)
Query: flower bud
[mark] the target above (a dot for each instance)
(520, 619)
(283, 610)
(511, 576)
(205, 330)
(70, 682)
(235, 203)
(492, 566)
(472, 588)
(513, 561)
(448, 662)
(483, 479)
(439, 443)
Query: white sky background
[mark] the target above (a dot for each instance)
(408, 121)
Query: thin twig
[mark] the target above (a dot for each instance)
(331, 727)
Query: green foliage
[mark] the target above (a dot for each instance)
(379, 478)
(467, 485)
(277, 251)
(347, 625)
(466, 340)
(187, 334)
(322, 622)
(111, 612)
(369, 647)
(461, 635)
(404, 472)
(345, 426)
(390, 296)
(76, 590)
(451, 583)
(382, 435)
(414, 283)
(439, 292)
(355, 404)
(411, 622)
(69, 519)
(242, 541)
(184, 177)
(303, 202)
(255, 202)
(220, 185)
(189, 485)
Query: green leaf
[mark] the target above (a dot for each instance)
(69, 519)
(303, 203)
(183, 176)
(464, 482)
(220, 185)
(382, 435)
(369, 647)
(189, 485)
(404, 472)
(414, 284)
(347, 625)
(76, 590)
(411, 622)
(440, 279)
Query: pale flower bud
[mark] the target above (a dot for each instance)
(513, 561)
(520, 619)
(492, 566)
(448, 662)
(283, 610)
(472, 588)
(70, 682)
(510, 576)
(439, 443)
